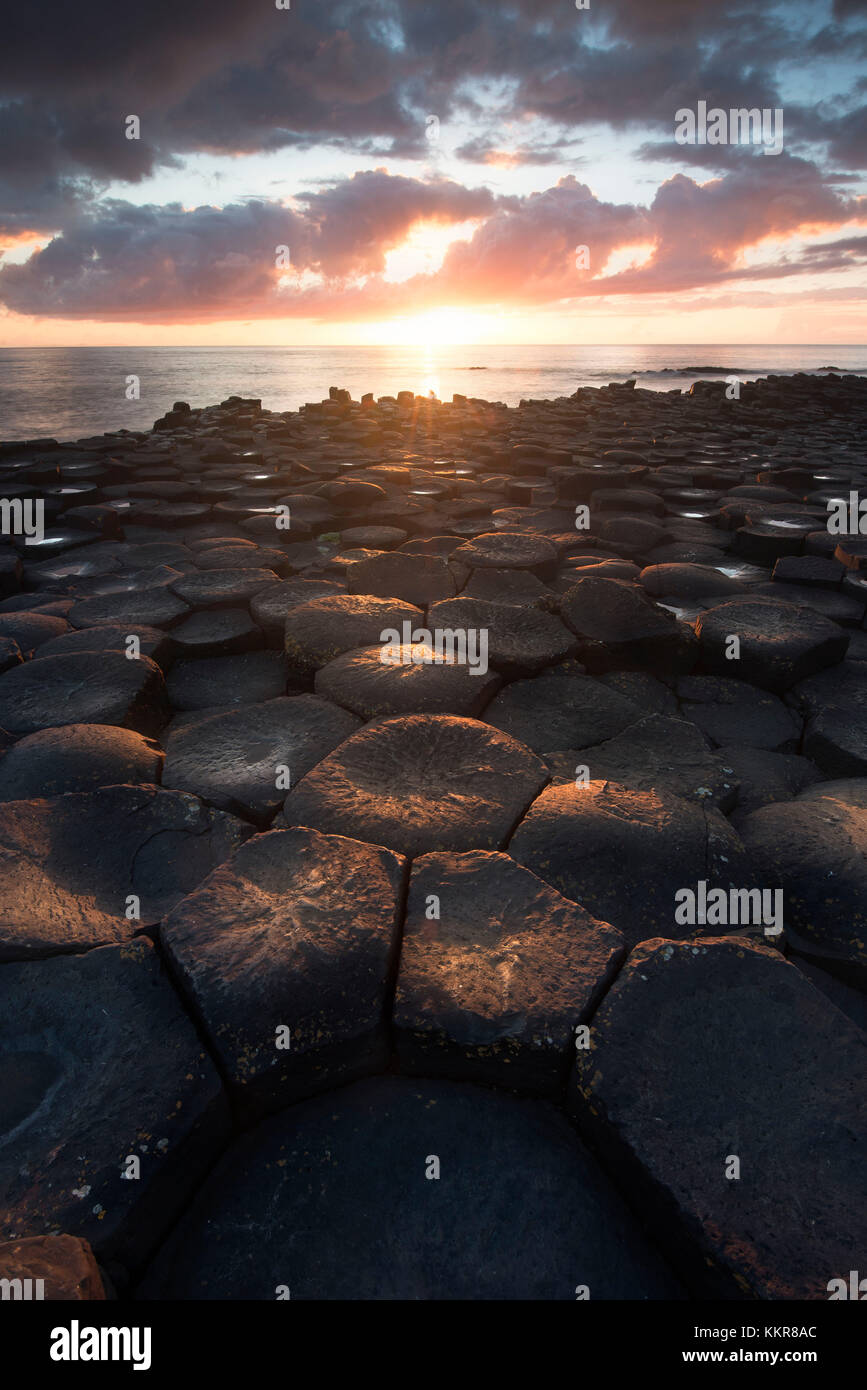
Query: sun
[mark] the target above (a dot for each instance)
(437, 328)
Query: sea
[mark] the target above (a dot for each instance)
(71, 393)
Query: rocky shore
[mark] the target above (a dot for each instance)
(527, 963)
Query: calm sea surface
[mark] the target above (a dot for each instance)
(69, 393)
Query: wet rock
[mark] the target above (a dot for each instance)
(101, 1063)
(298, 931)
(515, 1182)
(420, 783)
(716, 1049)
(72, 863)
(245, 760)
(64, 1265)
(623, 854)
(77, 758)
(688, 581)
(780, 643)
(496, 971)
(83, 688)
(555, 711)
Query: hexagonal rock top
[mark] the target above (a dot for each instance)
(623, 854)
(64, 1264)
(330, 1199)
(617, 622)
(70, 864)
(300, 931)
(496, 970)
(233, 759)
(99, 1062)
(417, 579)
(520, 640)
(318, 631)
(419, 683)
(420, 783)
(83, 688)
(780, 643)
(816, 849)
(710, 1050)
(510, 550)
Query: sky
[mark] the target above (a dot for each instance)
(395, 171)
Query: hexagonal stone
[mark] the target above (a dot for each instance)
(506, 586)
(419, 783)
(815, 848)
(836, 732)
(222, 588)
(373, 537)
(218, 632)
(416, 579)
(100, 1062)
(233, 556)
(556, 711)
(113, 637)
(339, 1183)
(71, 863)
(64, 1265)
(510, 550)
(77, 758)
(619, 625)
(318, 631)
(496, 971)
(688, 581)
(234, 760)
(763, 777)
(30, 630)
(298, 931)
(659, 753)
(422, 681)
(157, 607)
(780, 643)
(730, 711)
(705, 1051)
(623, 854)
(246, 679)
(270, 605)
(83, 688)
(521, 640)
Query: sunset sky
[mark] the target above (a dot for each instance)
(432, 169)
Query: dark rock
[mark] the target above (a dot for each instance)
(270, 605)
(510, 550)
(300, 931)
(77, 758)
(223, 588)
(30, 630)
(496, 970)
(416, 684)
(713, 1049)
(521, 640)
(836, 732)
(416, 579)
(730, 711)
(420, 783)
(234, 760)
(83, 688)
(99, 1063)
(318, 631)
(247, 679)
(555, 711)
(72, 862)
(340, 1180)
(157, 607)
(619, 625)
(623, 854)
(221, 632)
(780, 643)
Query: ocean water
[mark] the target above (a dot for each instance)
(69, 393)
